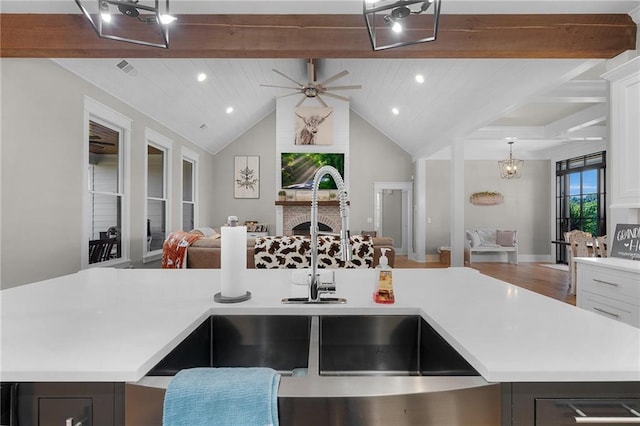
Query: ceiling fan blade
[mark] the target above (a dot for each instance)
(286, 76)
(356, 86)
(280, 87)
(304, 98)
(290, 94)
(324, 104)
(331, 95)
(335, 77)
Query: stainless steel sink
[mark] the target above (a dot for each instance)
(386, 345)
(336, 370)
(275, 341)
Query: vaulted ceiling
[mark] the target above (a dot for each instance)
(487, 77)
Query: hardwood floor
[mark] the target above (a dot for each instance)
(550, 282)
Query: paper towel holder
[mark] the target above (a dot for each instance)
(218, 297)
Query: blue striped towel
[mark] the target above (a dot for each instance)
(222, 396)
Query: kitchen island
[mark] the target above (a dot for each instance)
(115, 325)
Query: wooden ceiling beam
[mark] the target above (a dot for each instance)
(327, 36)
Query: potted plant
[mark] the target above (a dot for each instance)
(282, 195)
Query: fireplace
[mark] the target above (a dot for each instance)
(297, 214)
(305, 228)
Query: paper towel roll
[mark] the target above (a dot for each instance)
(233, 261)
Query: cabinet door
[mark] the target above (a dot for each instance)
(76, 404)
(65, 411)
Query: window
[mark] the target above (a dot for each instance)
(189, 186)
(106, 200)
(580, 197)
(157, 208)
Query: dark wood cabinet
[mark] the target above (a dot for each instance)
(558, 404)
(76, 404)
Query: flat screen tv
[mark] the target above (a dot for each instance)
(299, 168)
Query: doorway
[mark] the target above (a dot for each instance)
(393, 217)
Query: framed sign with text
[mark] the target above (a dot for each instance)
(626, 241)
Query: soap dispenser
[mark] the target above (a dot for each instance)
(384, 280)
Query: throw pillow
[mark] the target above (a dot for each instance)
(506, 238)
(487, 236)
(473, 237)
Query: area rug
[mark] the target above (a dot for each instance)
(558, 266)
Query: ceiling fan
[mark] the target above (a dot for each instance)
(312, 88)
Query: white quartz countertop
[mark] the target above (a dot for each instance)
(616, 263)
(116, 324)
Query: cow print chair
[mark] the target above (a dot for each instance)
(294, 252)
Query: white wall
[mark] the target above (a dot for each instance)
(373, 158)
(42, 169)
(258, 140)
(525, 208)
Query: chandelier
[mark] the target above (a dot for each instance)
(401, 23)
(511, 167)
(120, 20)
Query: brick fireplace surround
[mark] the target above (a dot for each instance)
(297, 212)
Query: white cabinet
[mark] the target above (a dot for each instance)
(625, 134)
(610, 287)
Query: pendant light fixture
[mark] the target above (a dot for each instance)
(120, 19)
(401, 23)
(511, 167)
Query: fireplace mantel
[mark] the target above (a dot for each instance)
(308, 203)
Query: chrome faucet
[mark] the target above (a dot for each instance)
(316, 288)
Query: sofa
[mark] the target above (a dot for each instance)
(280, 252)
(488, 240)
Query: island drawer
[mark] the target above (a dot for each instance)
(565, 412)
(607, 282)
(610, 308)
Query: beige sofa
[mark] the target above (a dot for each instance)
(205, 252)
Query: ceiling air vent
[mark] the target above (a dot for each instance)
(127, 68)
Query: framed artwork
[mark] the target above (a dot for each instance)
(314, 126)
(246, 176)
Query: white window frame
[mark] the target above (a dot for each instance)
(99, 113)
(193, 158)
(164, 144)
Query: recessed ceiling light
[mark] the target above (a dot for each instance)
(229, 110)
(420, 78)
(395, 111)
(202, 77)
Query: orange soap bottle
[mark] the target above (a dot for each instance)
(384, 280)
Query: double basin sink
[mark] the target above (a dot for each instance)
(368, 370)
(325, 345)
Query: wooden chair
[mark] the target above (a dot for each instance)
(579, 242)
(100, 250)
(600, 246)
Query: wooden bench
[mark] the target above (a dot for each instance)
(493, 241)
(512, 252)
